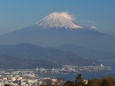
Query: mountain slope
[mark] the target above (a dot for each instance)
(60, 29)
(55, 38)
(88, 53)
(32, 56)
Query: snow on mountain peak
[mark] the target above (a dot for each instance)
(58, 20)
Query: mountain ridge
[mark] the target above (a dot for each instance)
(32, 56)
(88, 53)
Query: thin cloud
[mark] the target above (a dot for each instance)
(94, 27)
(90, 21)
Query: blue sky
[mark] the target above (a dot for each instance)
(17, 14)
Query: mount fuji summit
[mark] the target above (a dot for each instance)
(59, 29)
(58, 20)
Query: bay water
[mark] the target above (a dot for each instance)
(86, 75)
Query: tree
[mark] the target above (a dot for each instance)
(79, 78)
(69, 83)
(7, 85)
(79, 81)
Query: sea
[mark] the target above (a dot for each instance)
(86, 75)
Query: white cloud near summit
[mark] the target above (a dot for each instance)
(94, 27)
(67, 15)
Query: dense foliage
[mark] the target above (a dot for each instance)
(104, 81)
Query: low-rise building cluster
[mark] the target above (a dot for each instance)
(30, 77)
(73, 69)
(26, 78)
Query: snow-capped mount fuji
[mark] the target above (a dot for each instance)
(58, 20)
(60, 29)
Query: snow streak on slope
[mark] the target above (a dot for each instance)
(58, 20)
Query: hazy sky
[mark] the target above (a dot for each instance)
(17, 14)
